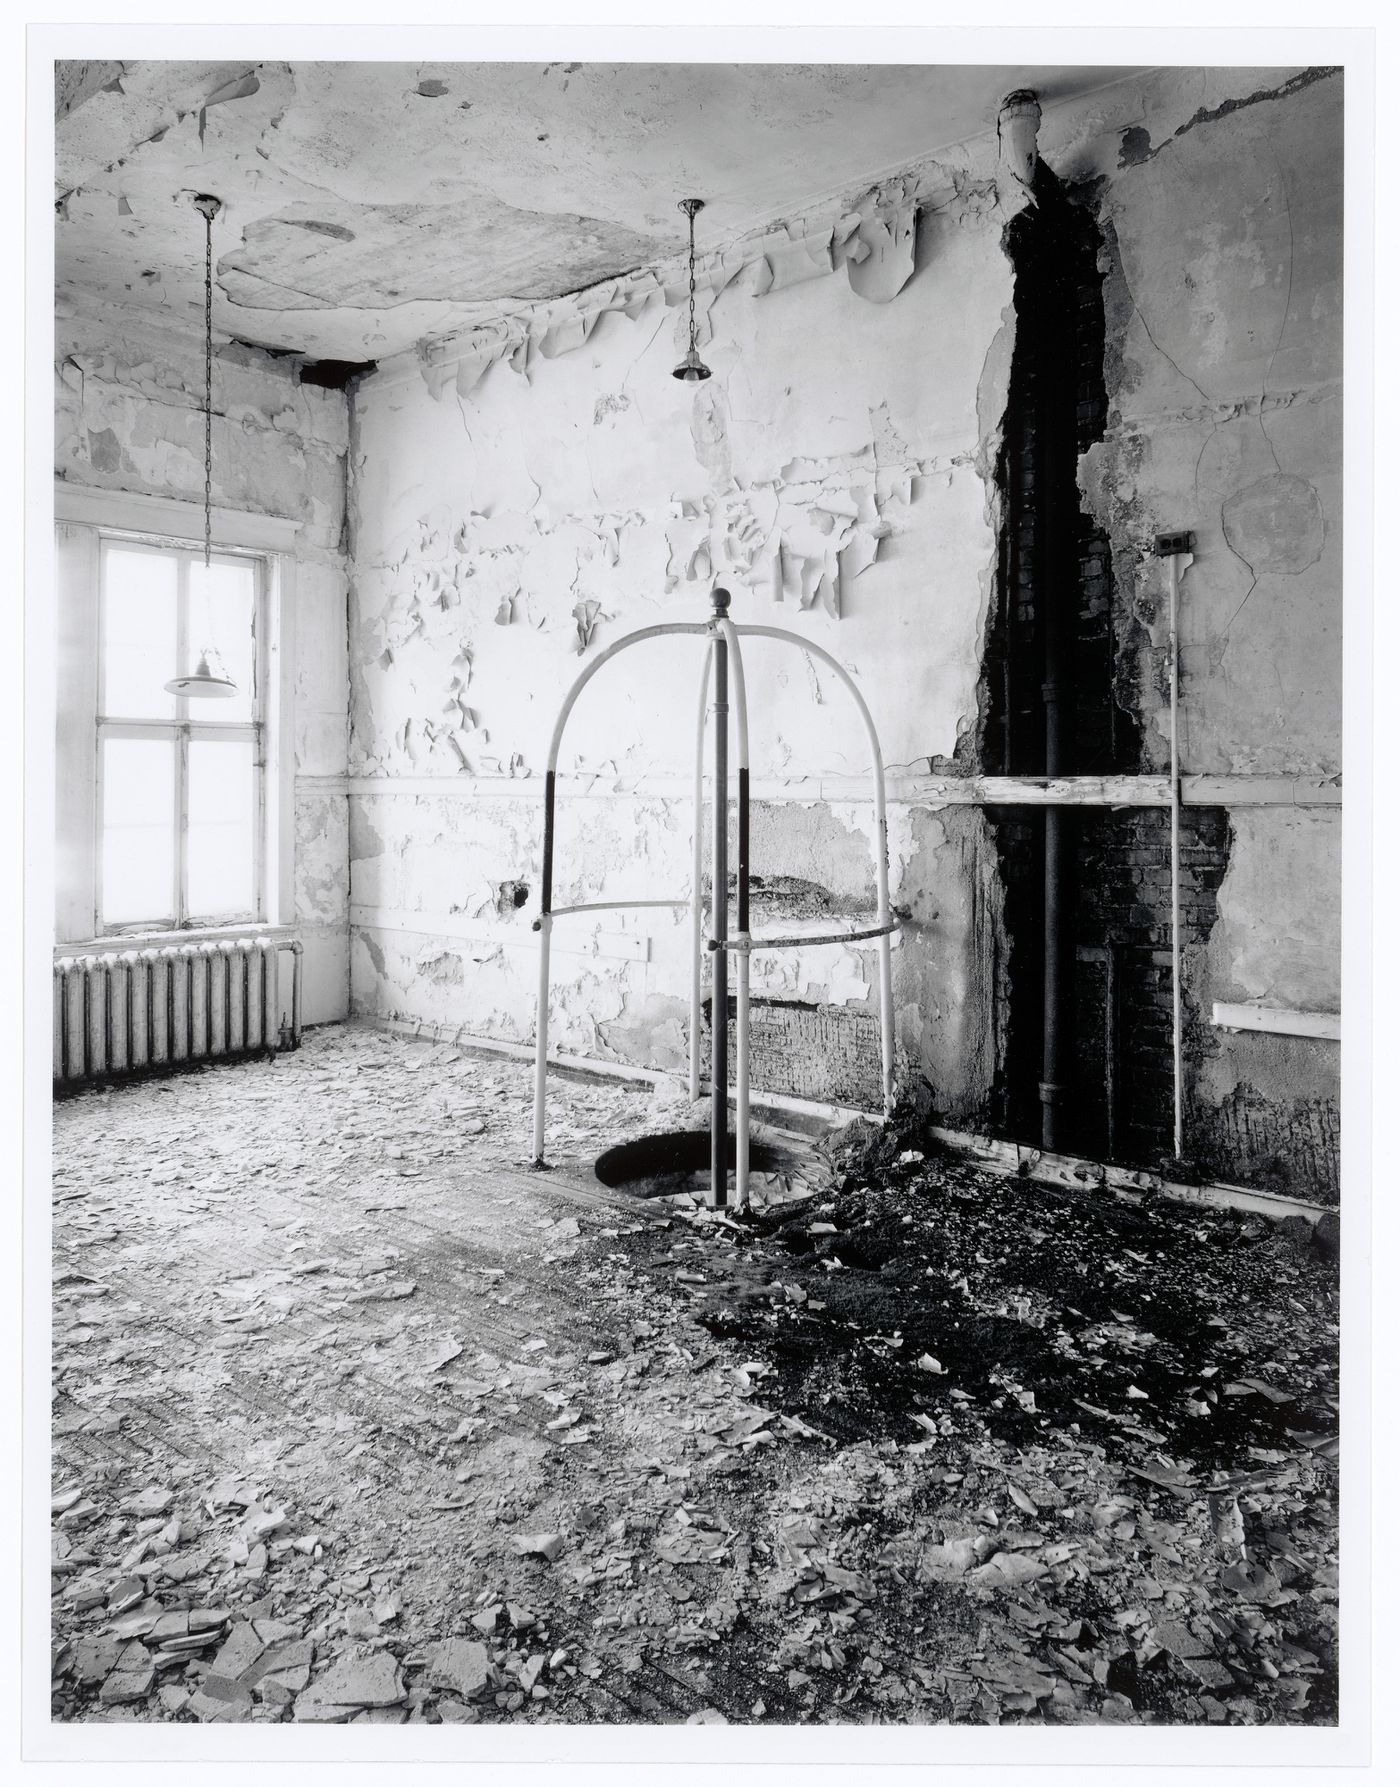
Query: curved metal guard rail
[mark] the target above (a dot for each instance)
(723, 656)
(610, 906)
(749, 945)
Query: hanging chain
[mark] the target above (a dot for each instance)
(692, 280)
(208, 381)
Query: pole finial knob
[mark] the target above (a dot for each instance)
(720, 598)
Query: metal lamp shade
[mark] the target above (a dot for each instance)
(202, 683)
(692, 369)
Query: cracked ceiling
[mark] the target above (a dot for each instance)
(371, 206)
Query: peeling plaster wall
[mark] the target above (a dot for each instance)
(513, 515)
(130, 417)
(1222, 209)
(523, 496)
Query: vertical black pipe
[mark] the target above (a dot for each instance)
(744, 850)
(719, 979)
(1054, 427)
(1110, 1046)
(189, 1005)
(547, 867)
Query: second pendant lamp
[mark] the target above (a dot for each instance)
(692, 369)
(205, 681)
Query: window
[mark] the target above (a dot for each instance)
(180, 794)
(172, 818)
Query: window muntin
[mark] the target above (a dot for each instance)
(180, 779)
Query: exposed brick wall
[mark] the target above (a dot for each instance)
(1048, 423)
(1052, 553)
(1123, 1018)
(1120, 895)
(1014, 1106)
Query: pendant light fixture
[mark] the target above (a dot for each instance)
(206, 681)
(692, 369)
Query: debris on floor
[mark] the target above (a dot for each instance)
(358, 1420)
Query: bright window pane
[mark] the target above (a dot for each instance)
(222, 602)
(138, 830)
(222, 828)
(138, 632)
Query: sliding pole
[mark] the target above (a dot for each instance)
(741, 1022)
(719, 924)
(697, 894)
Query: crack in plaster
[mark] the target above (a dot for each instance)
(1210, 115)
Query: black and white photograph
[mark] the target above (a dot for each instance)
(695, 708)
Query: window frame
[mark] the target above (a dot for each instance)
(84, 518)
(181, 729)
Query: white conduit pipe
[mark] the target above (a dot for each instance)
(545, 920)
(741, 936)
(882, 853)
(697, 902)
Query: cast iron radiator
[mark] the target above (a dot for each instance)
(119, 1013)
